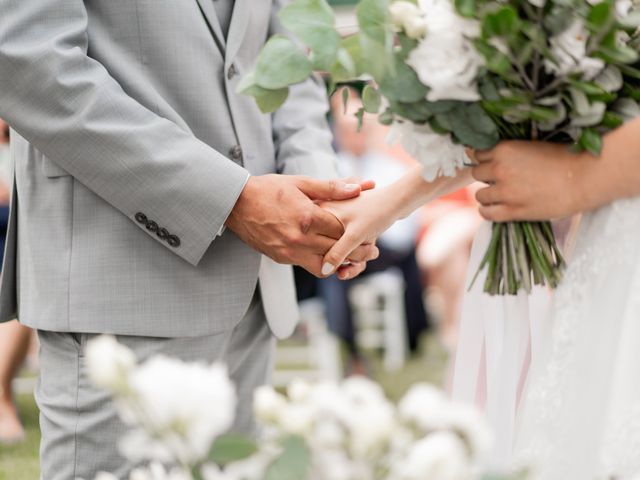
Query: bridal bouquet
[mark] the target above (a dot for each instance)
(178, 415)
(453, 73)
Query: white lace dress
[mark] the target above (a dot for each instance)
(580, 418)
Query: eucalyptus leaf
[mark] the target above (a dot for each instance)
(293, 462)
(402, 84)
(591, 141)
(371, 99)
(344, 69)
(268, 100)
(373, 18)
(313, 22)
(472, 126)
(231, 448)
(281, 63)
(466, 8)
(502, 22)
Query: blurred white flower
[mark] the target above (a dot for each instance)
(440, 456)
(437, 153)
(421, 404)
(109, 363)
(299, 390)
(569, 49)
(155, 471)
(297, 419)
(446, 60)
(268, 404)
(181, 407)
(407, 17)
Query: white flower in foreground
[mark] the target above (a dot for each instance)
(268, 404)
(427, 408)
(437, 153)
(182, 407)
(407, 17)
(156, 471)
(569, 49)
(446, 60)
(299, 390)
(109, 363)
(440, 456)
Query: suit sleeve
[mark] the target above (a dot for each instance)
(302, 136)
(68, 107)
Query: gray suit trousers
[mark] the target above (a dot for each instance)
(80, 427)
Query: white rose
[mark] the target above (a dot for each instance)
(109, 363)
(446, 60)
(415, 27)
(440, 456)
(401, 11)
(370, 428)
(185, 406)
(297, 419)
(268, 404)
(569, 49)
(437, 153)
(299, 390)
(421, 404)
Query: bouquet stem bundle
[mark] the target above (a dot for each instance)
(520, 255)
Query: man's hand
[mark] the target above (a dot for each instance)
(531, 181)
(278, 216)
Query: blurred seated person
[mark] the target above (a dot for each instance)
(362, 154)
(14, 338)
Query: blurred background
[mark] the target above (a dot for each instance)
(397, 323)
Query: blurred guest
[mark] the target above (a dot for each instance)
(359, 156)
(14, 338)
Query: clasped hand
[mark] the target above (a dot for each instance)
(280, 216)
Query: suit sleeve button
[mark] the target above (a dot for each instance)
(152, 227)
(174, 241)
(163, 234)
(141, 217)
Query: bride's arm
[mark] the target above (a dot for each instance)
(366, 217)
(538, 180)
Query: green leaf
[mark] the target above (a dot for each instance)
(313, 21)
(466, 8)
(281, 63)
(497, 61)
(345, 99)
(371, 99)
(600, 16)
(353, 46)
(407, 45)
(590, 88)
(268, 100)
(386, 117)
(612, 120)
(377, 60)
(591, 141)
(293, 463)
(360, 116)
(402, 84)
(418, 112)
(344, 69)
(231, 448)
(472, 126)
(618, 55)
(502, 22)
(373, 18)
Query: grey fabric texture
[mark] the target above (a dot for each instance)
(80, 426)
(128, 107)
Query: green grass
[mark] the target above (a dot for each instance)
(20, 462)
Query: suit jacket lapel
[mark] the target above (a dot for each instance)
(209, 13)
(238, 27)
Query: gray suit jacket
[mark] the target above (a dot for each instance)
(131, 147)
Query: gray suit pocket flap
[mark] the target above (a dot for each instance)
(51, 169)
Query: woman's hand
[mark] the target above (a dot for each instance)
(367, 216)
(531, 181)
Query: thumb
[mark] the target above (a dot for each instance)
(337, 255)
(328, 189)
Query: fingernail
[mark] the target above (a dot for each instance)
(351, 187)
(327, 269)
